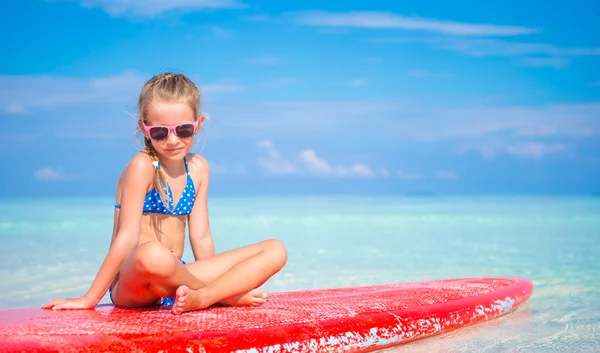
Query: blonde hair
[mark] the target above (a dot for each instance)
(166, 87)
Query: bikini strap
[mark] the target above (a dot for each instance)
(186, 166)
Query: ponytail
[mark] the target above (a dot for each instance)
(160, 183)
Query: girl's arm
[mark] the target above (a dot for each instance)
(137, 177)
(199, 229)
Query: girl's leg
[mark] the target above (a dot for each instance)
(230, 274)
(152, 272)
(210, 269)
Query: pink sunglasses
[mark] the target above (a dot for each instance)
(161, 132)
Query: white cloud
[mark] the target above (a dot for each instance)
(307, 162)
(552, 62)
(28, 92)
(127, 81)
(216, 168)
(358, 169)
(414, 120)
(526, 149)
(493, 47)
(311, 117)
(314, 163)
(222, 169)
(220, 88)
(565, 121)
(21, 94)
(384, 172)
(150, 8)
(477, 126)
(372, 19)
(446, 175)
(534, 150)
(53, 174)
(409, 175)
(526, 53)
(14, 109)
(318, 165)
(356, 82)
(496, 47)
(274, 163)
(486, 129)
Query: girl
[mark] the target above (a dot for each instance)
(161, 189)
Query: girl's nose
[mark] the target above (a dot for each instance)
(172, 137)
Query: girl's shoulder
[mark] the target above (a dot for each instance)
(139, 171)
(139, 165)
(140, 162)
(198, 166)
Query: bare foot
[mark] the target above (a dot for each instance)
(187, 300)
(255, 297)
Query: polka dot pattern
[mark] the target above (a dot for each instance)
(153, 203)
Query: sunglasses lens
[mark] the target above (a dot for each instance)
(185, 130)
(159, 133)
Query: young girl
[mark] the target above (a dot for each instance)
(160, 190)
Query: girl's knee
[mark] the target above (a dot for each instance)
(153, 257)
(277, 250)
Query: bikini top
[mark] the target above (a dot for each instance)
(153, 203)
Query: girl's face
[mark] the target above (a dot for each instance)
(171, 127)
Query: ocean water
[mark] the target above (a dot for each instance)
(53, 248)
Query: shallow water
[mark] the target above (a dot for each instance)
(52, 249)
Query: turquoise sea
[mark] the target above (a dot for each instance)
(53, 248)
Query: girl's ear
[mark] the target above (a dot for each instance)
(200, 122)
(141, 126)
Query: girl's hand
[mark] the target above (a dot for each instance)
(69, 303)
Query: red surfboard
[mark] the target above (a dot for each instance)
(357, 319)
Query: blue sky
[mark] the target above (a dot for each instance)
(382, 97)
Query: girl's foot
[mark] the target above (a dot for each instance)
(190, 300)
(255, 297)
(187, 300)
